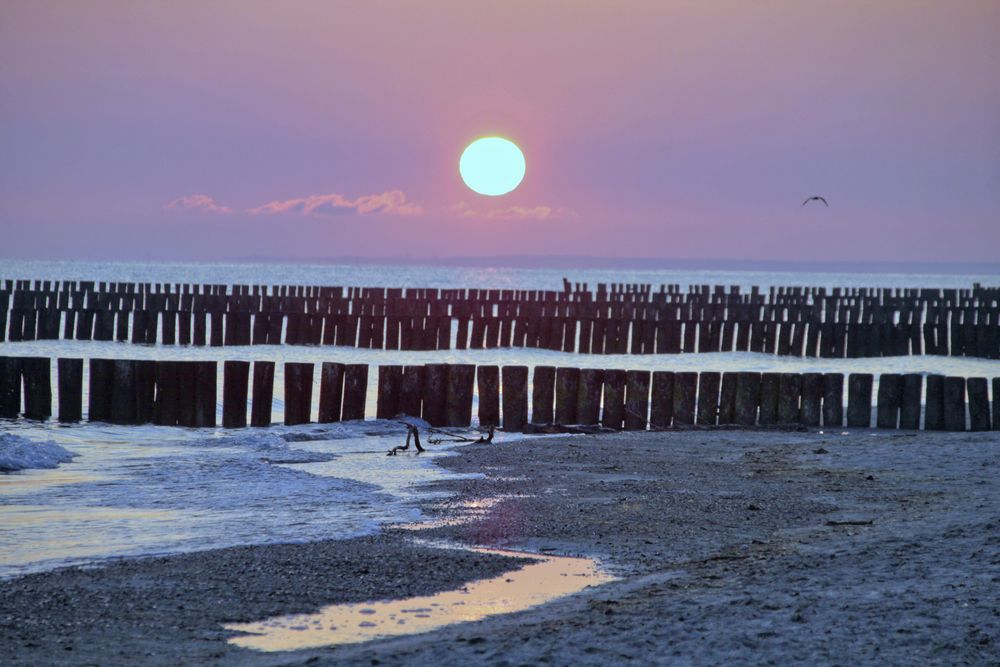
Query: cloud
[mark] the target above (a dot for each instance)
(515, 212)
(202, 203)
(388, 203)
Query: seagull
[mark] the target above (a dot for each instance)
(816, 198)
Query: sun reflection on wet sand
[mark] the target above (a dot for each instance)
(59, 533)
(544, 580)
(465, 512)
(25, 481)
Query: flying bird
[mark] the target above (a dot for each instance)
(816, 198)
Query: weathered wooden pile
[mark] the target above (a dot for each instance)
(184, 393)
(620, 319)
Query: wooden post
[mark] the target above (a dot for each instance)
(217, 339)
(139, 324)
(636, 400)
(355, 391)
(263, 393)
(169, 327)
(70, 390)
(661, 412)
(514, 397)
(690, 332)
(104, 324)
(198, 336)
(567, 393)
(597, 336)
(298, 392)
(934, 404)
(979, 404)
(187, 393)
(909, 411)
(434, 394)
(996, 404)
(123, 403)
(542, 394)
(331, 392)
(708, 397)
(812, 399)
(859, 400)
(478, 333)
(235, 385)
(727, 398)
(152, 326)
(769, 386)
(789, 397)
(100, 393)
(37, 387)
(462, 334)
(747, 398)
(10, 387)
(833, 400)
(206, 391)
(488, 381)
(275, 326)
(69, 324)
(165, 405)
(685, 397)
(390, 378)
(588, 396)
(183, 327)
(890, 398)
(260, 329)
(954, 404)
(614, 399)
(240, 322)
(145, 390)
(411, 391)
(458, 404)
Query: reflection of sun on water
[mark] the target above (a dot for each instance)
(544, 580)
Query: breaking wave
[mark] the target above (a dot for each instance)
(20, 453)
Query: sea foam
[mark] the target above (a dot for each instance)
(20, 453)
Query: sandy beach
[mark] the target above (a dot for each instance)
(729, 547)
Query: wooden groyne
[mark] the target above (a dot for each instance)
(620, 319)
(516, 398)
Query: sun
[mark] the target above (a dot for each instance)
(492, 166)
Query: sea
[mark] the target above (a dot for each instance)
(84, 493)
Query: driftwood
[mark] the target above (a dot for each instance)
(411, 431)
(452, 437)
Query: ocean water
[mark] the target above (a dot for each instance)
(81, 493)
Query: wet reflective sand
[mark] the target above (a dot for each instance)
(545, 579)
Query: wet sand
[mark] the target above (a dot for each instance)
(729, 547)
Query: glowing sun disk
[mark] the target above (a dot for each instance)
(492, 166)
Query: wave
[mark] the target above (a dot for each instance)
(20, 453)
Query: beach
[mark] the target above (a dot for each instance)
(860, 547)
(504, 334)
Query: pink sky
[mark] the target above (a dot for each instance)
(196, 130)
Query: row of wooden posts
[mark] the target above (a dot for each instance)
(184, 393)
(578, 292)
(587, 336)
(944, 306)
(632, 319)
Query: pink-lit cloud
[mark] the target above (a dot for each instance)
(198, 202)
(392, 202)
(515, 212)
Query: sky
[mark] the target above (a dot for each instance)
(190, 130)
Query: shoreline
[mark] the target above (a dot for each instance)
(869, 547)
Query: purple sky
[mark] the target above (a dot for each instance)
(201, 130)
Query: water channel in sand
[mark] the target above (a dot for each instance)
(544, 580)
